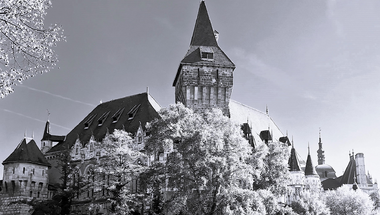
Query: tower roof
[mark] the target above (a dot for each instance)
(293, 161)
(309, 169)
(203, 34)
(48, 136)
(203, 41)
(27, 152)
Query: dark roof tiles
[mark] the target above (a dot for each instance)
(27, 152)
(125, 113)
(293, 161)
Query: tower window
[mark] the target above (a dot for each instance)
(207, 56)
(207, 53)
(23, 170)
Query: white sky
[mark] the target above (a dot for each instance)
(314, 63)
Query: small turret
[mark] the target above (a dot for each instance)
(48, 139)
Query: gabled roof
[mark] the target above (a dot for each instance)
(126, 113)
(27, 152)
(293, 161)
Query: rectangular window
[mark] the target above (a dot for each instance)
(207, 56)
(195, 93)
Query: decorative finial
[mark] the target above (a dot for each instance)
(33, 135)
(308, 148)
(48, 114)
(147, 90)
(292, 142)
(266, 109)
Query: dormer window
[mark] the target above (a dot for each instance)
(133, 111)
(117, 115)
(207, 53)
(89, 120)
(103, 118)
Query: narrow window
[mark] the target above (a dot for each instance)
(23, 170)
(30, 193)
(195, 93)
(43, 172)
(33, 171)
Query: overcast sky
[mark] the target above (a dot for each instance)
(315, 64)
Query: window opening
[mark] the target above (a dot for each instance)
(102, 118)
(117, 115)
(133, 111)
(89, 120)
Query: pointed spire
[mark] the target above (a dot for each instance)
(308, 148)
(203, 34)
(293, 161)
(309, 168)
(46, 135)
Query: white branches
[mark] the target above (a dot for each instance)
(26, 45)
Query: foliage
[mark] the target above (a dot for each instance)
(26, 45)
(345, 201)
(121, 164)
(208, 167)
(271, 182)
(310, 203)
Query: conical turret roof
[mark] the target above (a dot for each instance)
(293, 161)
(27, 152)
(309, 169)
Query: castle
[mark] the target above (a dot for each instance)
(203, 80)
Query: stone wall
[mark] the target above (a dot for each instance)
(203, 87)
(8, 206)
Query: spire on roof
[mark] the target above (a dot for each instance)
(321, 153)
(203, 34)
(293, 161)
(46, 134)
(309, 169)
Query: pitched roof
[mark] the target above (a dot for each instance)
(257, 120)
(126, 113)
(48, 136)
(204, 38)
(27, 152)
(293, 161)
(203, 34)
(349, 174)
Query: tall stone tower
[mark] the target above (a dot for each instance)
(205, 75)
(321, 153)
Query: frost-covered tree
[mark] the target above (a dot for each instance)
(310, 203)
(203, 164)
(117, 172)
(345, 201)
(271, 182)
(26, 44)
